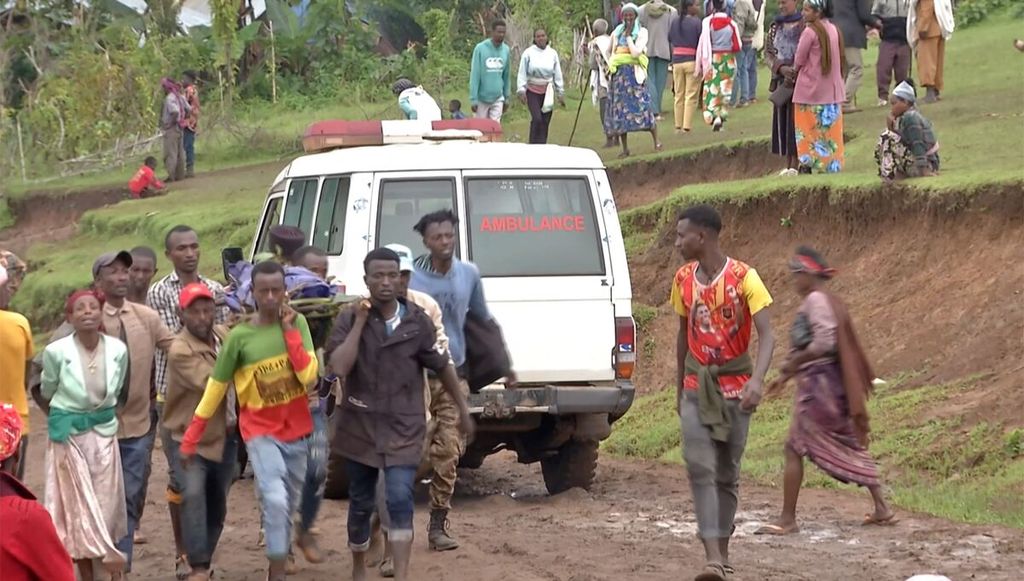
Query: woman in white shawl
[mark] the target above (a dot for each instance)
(929, 25)
(629, 100)
(599, 50)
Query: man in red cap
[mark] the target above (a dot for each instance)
(30, 549)
(207, 479)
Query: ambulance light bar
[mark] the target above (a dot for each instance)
(326, 135)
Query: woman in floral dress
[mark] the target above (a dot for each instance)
(820, 91)
(629, 100)
(716, 63)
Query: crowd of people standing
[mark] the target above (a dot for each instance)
(707, 53)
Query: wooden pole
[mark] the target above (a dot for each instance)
(273, 63)
(21, 151)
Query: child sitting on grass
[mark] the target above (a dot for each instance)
(144, 183)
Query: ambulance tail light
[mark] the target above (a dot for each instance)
(624, 355)
(327, 135)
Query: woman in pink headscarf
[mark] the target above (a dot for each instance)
(173, 118)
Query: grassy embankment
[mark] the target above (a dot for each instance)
(979, 124)
(940, 466)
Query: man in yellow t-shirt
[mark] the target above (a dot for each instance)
(719, 301)
(16, 351)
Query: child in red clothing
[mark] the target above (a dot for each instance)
(144, 183)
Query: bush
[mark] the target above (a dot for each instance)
(971, 12)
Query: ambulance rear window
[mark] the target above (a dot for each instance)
(533, 226)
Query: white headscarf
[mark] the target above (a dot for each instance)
(906, 92)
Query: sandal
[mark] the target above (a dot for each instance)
(624, 155)
(712, 572)
(659, 147)
(870, 519)
(777, 531)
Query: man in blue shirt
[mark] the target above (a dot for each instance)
(457, 288)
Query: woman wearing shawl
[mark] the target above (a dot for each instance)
(780, 52)
(716, 63)
(173, 119)
(629, 100)
(820, 91)
(908, 147)
(82, 378)
(830, 418)
(540, 84)
(599, 50)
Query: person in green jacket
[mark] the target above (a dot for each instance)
(490, 75)
(82, 381)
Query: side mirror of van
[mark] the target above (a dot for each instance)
(229, 256)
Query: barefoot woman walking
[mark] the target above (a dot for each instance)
(830, 419)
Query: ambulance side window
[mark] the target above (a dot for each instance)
(272, 217)
(298, 205)
(404, 202)
(329, 230)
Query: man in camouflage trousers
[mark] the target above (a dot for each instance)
(446, 448)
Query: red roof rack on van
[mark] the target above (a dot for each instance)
(335, 134)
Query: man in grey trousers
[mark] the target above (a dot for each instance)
(851, 17)
(719, 301)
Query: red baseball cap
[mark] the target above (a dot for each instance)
(193, 291)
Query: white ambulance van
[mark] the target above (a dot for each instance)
(540, 223)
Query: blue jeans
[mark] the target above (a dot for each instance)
(362, 493)
(189, 140)
(746, 75)
(316, 472)
(280, 468)
(205, 502)
(136, 454)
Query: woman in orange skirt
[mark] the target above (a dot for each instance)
(819, 92)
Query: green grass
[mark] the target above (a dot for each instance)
(931, 465)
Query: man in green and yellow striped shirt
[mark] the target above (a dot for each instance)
(271, 361)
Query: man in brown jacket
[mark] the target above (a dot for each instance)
(381, 348)
(139, 327)
(208, 477)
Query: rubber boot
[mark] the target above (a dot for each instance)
(437, 535)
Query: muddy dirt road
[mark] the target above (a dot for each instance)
(637, 523)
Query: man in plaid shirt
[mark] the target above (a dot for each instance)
(182, 249)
